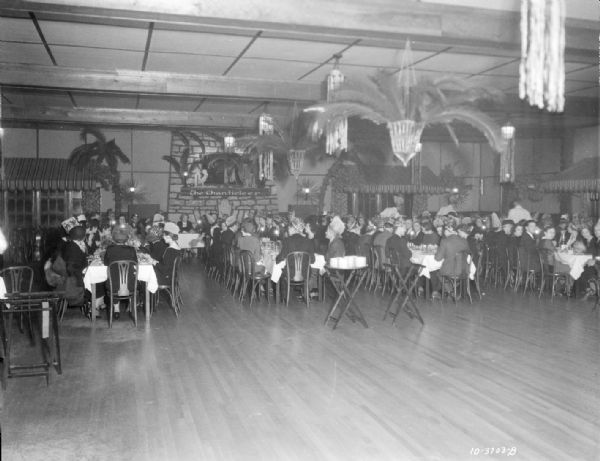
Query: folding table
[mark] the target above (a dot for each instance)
(46, 304)
(341, 280)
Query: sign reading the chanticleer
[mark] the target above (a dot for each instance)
(227, 192)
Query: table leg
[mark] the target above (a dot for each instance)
(338, 284)
(401, 283)
(408, 305)
(355, 312)
(94, 310)
(147, 306)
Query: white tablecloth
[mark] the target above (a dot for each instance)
(430, 264)
(98, 273)
(187, 241)
(319, 264)
(2, 289)
(575, 262)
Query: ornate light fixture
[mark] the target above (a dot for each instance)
(229, 142)
(266, 127)
(336, 131)
(406, 134)
(507, 157)
(296, 160)
(542, 68)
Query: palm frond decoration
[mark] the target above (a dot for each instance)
(182, 166)
(407, 106)
(103, 157)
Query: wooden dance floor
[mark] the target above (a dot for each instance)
(229, 382)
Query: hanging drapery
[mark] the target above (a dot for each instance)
(542, 68)
(336, 131)
(296, 160)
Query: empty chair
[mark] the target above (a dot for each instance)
(173, 289)
(122, 285)
(297, 273)
(19, 279)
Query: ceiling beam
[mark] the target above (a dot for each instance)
(391, 21)
(14, 115)
(163, 83)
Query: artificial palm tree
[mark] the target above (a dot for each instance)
(103, 158)
(407, 105)
(183, 167)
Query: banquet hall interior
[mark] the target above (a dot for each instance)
(299, 230)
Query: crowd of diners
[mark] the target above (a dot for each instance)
(532, 238)
(79, 239)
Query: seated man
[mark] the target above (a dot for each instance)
(397, 247)
(119, 251)
(450, 247)
(248, 241)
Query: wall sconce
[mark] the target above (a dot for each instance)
(454, 190)
(508, 131)
(132, 188)
(306, 191)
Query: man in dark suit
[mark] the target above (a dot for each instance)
(528, 247)
(451, 247)
(396, 249)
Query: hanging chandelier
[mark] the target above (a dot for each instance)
(336, 131)
(266, 127)
(542, 68)
(296, 160)
(406, 134)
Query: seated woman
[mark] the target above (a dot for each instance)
(184, 224)
(430, 234)
(296, 241)
(334, 233)
(164, 265)
(547, 249)
(119, 251)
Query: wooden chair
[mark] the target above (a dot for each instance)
(459, 282)
(532, 269)
(251, 279)
(122, 285)
(173, 290)
(554, 278)
(299, 261)
(19, 279)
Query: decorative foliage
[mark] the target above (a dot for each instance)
(281, 142)
(103, 157)
(138, 195)
(183, 167)
(455, 183)
(396, 100)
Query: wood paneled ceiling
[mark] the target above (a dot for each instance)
(224, 62)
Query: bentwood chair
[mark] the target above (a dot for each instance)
(122, 285)
(250, 278)
(459, 281)
(297, 273)
(19, 279)
(555, 278)
(173, 289)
